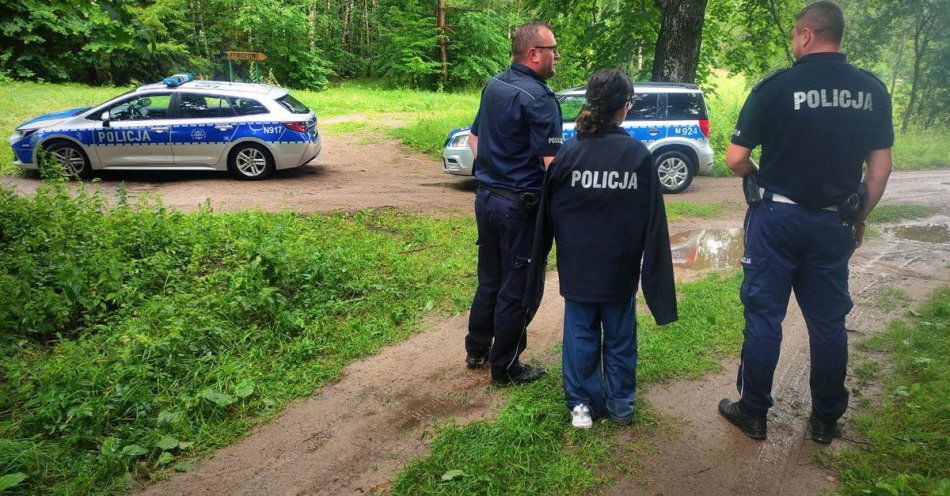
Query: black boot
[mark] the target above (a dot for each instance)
(528, 374)
(750, 425)
(474, 361)
(823, 432)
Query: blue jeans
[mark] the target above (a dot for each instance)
(600, 356)
(788, 247)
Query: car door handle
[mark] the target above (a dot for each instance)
(223, 127)
(653, 131)
(159, 129)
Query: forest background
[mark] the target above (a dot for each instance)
(455, 45)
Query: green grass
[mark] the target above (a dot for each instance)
(896, 212)
(921, 149)
(677, 210)
(530, 448)
(135, 339)
(343, 127)
(891, 297)
(908, 434)
(428, 134)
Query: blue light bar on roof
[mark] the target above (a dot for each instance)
(177, 80)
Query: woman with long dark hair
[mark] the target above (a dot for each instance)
(603, 206)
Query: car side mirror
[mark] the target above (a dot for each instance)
(105, 118)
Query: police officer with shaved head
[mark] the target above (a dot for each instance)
(516, 133)
(818, 123)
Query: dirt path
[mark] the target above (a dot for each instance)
(351, 173)
(354, 171)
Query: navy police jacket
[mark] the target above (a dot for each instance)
(816, 123)
(518, 122)
(603, 205)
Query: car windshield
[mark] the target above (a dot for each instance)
(292, 104)
(571, 106)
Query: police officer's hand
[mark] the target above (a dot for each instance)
(859, 234)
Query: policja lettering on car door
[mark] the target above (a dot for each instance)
(132, 139)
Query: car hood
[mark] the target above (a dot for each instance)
(51, 119)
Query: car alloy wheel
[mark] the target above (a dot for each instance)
(251, 162)
(674, 171)
(71, 158)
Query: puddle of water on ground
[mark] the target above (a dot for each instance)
(703, 249)
(930, 233)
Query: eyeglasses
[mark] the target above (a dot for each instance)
(553, 48)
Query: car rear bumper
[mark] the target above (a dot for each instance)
(704, 158)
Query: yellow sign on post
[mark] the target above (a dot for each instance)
(251, 56)
(245, 56)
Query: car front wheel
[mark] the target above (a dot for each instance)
(250, 161)
(675, 171)
(70, 158)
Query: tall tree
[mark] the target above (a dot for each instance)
(681, 34)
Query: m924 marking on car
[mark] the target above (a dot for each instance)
(669, 118)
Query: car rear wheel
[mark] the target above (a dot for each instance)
(675, 170)
(70, 158)
(250, 161)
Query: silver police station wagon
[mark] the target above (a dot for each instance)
(181, 124)
(669, 118)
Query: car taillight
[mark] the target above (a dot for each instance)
(300, 127)
(704, 127)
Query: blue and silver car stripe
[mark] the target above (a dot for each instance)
(57, 115)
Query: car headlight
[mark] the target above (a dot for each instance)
(459, 141)
(25, 132)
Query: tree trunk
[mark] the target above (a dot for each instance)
(897, 64)
(677, 46)
(921, 40)
(312, 26)
(443, 52)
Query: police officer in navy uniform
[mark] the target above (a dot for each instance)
(818, 122)
(515, 136)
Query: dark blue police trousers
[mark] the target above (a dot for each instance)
(791, 247)
(600, 357)
(499, 319)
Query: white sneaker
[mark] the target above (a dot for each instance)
(580, 417)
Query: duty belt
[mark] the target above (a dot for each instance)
(768, 195)
(525, 197)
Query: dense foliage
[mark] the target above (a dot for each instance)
(135, 338)
(305, 41)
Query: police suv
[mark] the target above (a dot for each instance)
(669, 118)
(180, 123)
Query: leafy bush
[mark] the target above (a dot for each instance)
(135, 338)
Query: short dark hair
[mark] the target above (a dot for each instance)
(526, 36)
(825, 19)
(607, 92)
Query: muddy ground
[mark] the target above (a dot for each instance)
(353, 436)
